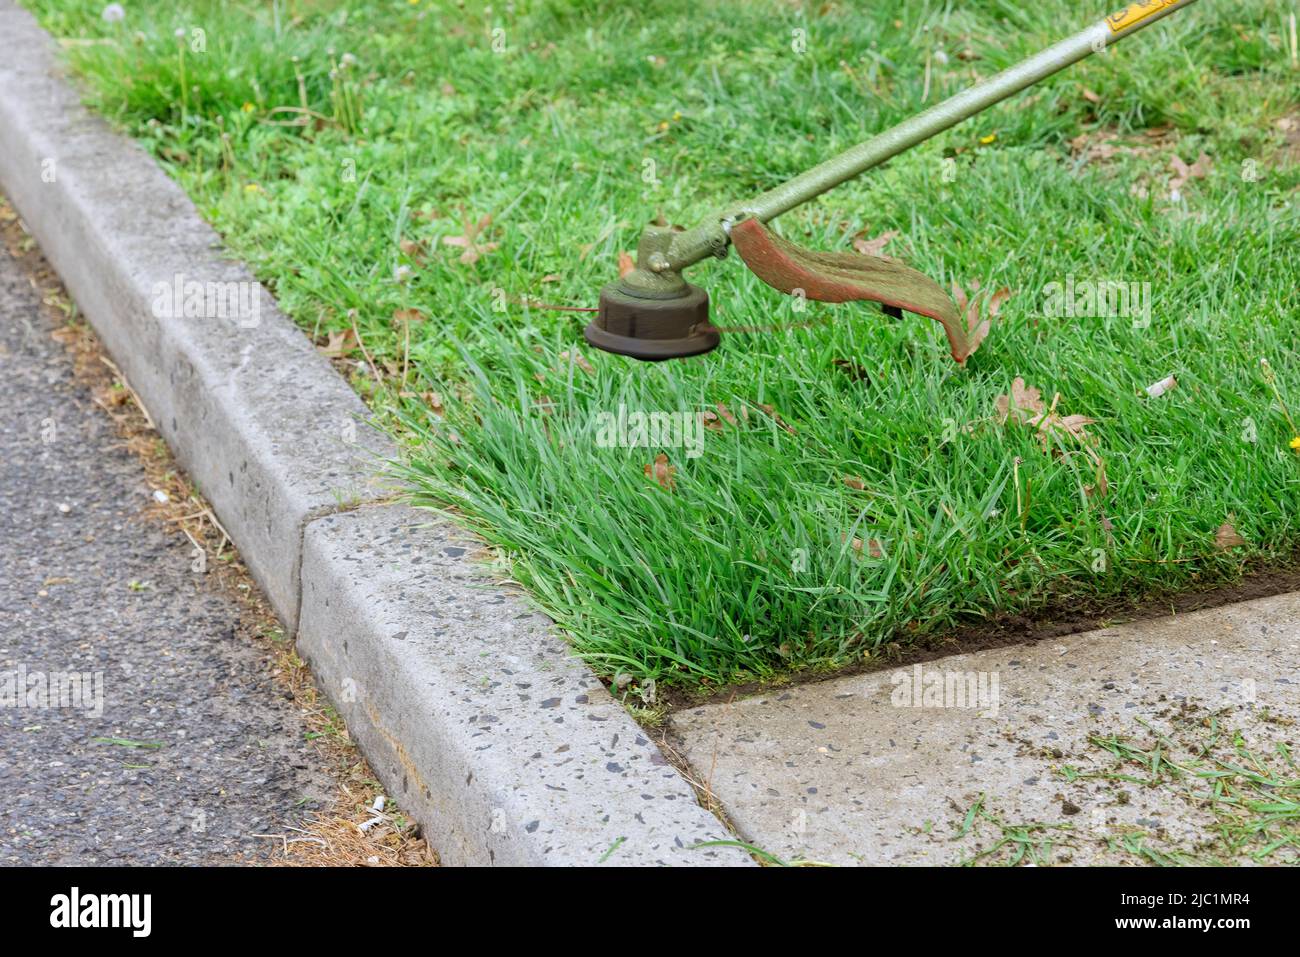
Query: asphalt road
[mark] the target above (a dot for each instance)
(195, 749)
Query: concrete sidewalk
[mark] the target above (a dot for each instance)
(884, 768)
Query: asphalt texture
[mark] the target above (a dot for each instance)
(196, 750)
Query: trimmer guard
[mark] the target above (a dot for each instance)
(846, 277)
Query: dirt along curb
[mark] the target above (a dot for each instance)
(469, 709)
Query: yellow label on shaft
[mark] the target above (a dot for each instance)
(1136, 13)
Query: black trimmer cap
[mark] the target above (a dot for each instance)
(653, 329)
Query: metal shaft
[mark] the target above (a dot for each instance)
(711, 237)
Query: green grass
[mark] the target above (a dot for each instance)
(747, 566)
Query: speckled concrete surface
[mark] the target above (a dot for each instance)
(231, 760)
(506, 747)
(849, 771)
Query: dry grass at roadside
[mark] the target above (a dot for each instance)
(340, 835)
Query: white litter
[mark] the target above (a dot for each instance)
(377, 808)
(1157, 389)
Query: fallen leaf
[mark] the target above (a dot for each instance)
(469, 240)
(1226, 537)
(871, 545)
(552, 277)
(1182, 173)
(579, 360)
(339, 345)
(414, 249)
(662, 472)
(1022, 402)
(1024, 406)
(876, 246)
(854, 482)
(408, 315)
(1090, 96)
(775, 417)
(625, 264)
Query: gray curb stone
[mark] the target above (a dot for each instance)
(262, 424)
(473, 714)
(507, 748)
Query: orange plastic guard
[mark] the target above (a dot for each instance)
(846, 277)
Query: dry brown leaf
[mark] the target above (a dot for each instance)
(854, 482)
(876, 246)
(625, 264)
(1024, 406)
(1226, 537)
(414, 250)
(1090, 96)
(775, 417)
(408, 315)
(552, 277)
(1021, 403)
(713, 421)
(469, 242)
(1182, 173)
(662, 472)
(871, 546)
(339, 345)
(579, 360)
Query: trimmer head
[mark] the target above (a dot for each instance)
(653, 329)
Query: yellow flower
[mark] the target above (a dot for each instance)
(252, 188)
(986, 140)
(1295, 443)
(248, 107)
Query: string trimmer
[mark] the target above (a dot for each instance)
(653, 313)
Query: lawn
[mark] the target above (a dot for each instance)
(418, 181)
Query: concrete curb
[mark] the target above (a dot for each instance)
(472, 713)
